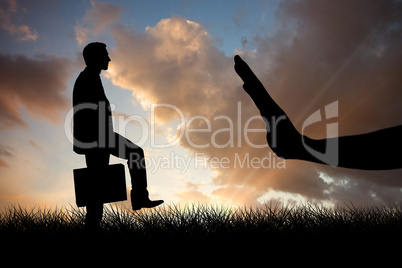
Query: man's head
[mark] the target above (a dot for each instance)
(96, 55)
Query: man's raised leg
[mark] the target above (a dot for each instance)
(136, 165)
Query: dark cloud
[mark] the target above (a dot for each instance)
(330, 51)
(334, 50)
(95, 20)
(36, 84)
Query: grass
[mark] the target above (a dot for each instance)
(208, 222)
(209, 234)
(205, 233)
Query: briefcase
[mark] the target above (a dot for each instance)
(100, 185)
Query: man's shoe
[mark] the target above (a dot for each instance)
(137, 204)
(140, 199)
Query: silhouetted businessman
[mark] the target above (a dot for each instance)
(372, 151)
(94, 136)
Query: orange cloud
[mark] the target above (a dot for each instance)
(3, 163)
(174, 62)
(5, 151)
(37, 84)
(193, 197)
(22, 31)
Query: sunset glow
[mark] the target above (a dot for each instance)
(174, 91)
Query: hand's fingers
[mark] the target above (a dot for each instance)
(237, 59)
(243, 70)
(247, 87)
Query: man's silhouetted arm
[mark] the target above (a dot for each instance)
(376, 150)
(372, 151)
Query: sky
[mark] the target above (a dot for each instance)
(175, 93)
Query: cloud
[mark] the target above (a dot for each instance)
(95, 20)
(81, 34)
(35, 145)
(35, 84)
(5, 151)
(6, 199)
(22, 31)
(192, 196)
(320, 53)
(174, 62)
(332, 50)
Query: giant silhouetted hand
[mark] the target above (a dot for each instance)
(282, 136)
(374, 150)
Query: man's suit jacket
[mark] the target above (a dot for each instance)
(92, 114)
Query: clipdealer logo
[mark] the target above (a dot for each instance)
(329, 156)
